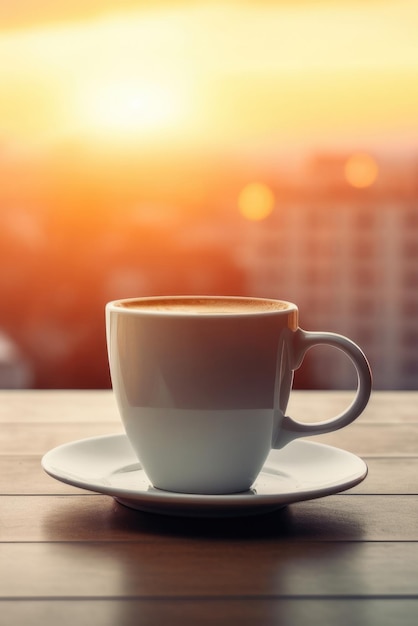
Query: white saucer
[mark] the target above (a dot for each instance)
(301, 471)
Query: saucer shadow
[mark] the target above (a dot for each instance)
(301, 521)
(101, 518)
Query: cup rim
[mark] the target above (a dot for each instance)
(126, 306)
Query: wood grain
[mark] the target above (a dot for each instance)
(55, 405)
(208, 568)
(210, 611)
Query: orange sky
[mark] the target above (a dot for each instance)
(209, 72)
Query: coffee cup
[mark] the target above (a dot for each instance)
(202, 385)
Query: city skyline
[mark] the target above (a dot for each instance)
(343, 253)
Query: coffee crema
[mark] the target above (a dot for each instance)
(184, 305)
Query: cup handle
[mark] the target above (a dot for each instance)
(291, 429)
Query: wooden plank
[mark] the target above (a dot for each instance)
(384, 406)
(222, 612)
(392, 407)
(100, 518)
(31, 406)
(39, 438)
(375, 440)
(23, 474)
(389, 476)
(208, 568)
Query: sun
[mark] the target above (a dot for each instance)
(131, 107)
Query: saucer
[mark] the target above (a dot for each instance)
(303, 470)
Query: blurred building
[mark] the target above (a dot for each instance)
(15, 372)
(349, 257)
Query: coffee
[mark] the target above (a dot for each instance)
(189, 305)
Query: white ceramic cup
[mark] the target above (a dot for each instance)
(202, 385)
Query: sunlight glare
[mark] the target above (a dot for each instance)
(136, 106)
(134, 71)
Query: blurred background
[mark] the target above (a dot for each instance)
(253, 147)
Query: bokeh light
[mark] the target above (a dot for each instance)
(361, 170)
(256, 201)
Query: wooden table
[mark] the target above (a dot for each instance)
(69, 556)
